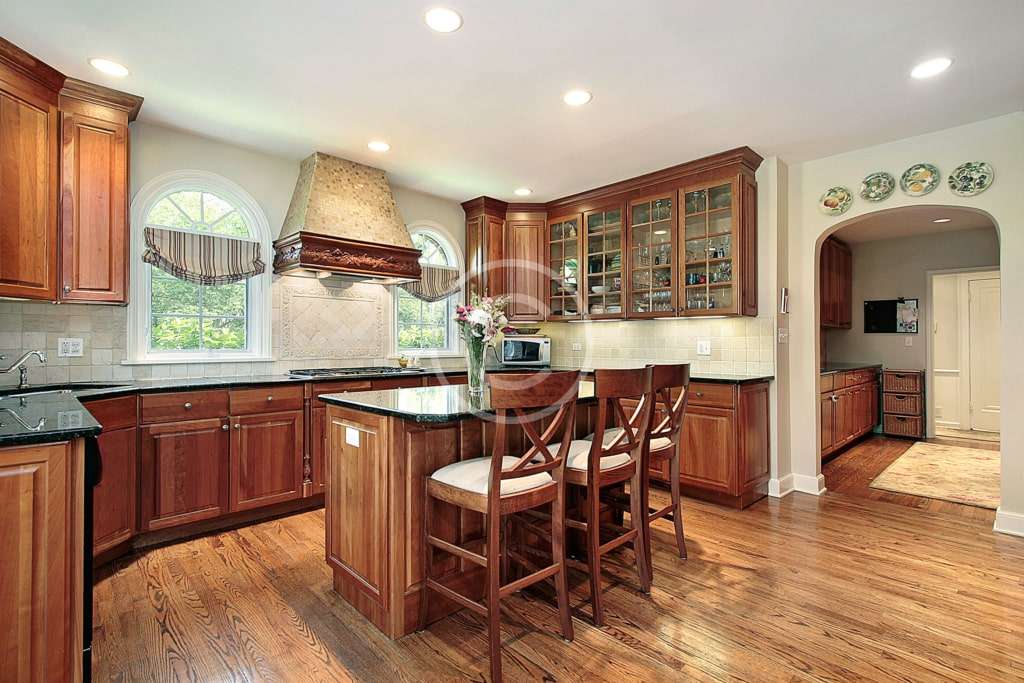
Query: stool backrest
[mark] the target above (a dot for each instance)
(668, 419)
(611, 387)
(526, 400)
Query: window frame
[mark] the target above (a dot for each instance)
(453, 251)
(258, 313)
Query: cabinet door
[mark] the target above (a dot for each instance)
(41, 505)
(563, 263)
(317, 451)
(184, 472)
(844, 419)
(524, 248)
(710, 248)
(94, 210)
(824, 285)
(113, 518)
(28, 189)
(844, 315)
(602, 249)
(650, 259)
(828, 423)
(266, 459)
(709, 448)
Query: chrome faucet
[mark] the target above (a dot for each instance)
(20, 366)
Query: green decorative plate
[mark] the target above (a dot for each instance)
(877, 186)
(919, 180)
(835, 201)
(971, 178)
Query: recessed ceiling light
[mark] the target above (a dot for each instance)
(523, 192)
(577, 98)
(942, 220)
(109, 67)
(378, 146)
(443, 20)
(932, 67)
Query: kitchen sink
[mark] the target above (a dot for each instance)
(45, 389)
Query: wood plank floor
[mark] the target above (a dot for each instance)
(852, 471)
(837, 588)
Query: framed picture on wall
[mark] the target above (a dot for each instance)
(899, 316)
(906, 315)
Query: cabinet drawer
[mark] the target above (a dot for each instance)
(113, 413)
(184, 405)
(902, 425)
(715, 395)
(340, 387)
(266, 399)
(854, 377)
(902, 381)
(826, 382)
(901, 404)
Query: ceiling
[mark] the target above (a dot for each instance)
(908, 221)
(479, 111)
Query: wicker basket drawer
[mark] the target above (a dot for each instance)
(902, 425)
(902, 381)
(901, 404)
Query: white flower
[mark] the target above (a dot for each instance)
(480, 317)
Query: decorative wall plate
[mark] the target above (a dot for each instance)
(877, 186)
(835, 201)
(919, 180)
(971, 178)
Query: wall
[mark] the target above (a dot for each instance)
(887, 269)
(311, 324)
(1000, 141)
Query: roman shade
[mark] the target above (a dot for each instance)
(202, 259)
(435, 283)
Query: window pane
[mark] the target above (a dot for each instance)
(175, 333)
(409, 337)
(171, 295)
(222, 333)
(408, 309)
(432, 337)
(232, 225)
(190, 202)
(166, 213)
(214, 207)
(224, 299)
(436, 313)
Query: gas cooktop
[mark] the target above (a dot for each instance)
(348, 372)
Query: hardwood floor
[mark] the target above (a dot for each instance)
(836, 588)
(852, 471)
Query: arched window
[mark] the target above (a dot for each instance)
(427, 328)
(176, 320)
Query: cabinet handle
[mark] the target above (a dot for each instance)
(238, 426)
(269, 399)
(698, 394)
(835, 399)
(224, 427)
(899, 398)
(188, 406)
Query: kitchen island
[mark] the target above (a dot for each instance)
(382, 445)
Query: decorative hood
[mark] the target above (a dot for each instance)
(343, 221)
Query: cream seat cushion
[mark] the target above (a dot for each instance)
(474, 476)
(611, 434)
(579, 456)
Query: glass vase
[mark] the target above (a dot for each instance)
(475, 365)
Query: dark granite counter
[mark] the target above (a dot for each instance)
(44, 418)
(829, 368)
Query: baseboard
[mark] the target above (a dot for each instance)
(808, 484)
(779, 488)
(1007, 522)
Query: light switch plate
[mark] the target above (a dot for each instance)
(783, 335)
(69, 346)
(703, 347)
(908, 341)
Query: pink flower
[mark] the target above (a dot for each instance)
(507, 329)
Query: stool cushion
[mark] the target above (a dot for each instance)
(579, 456)
(474, 475)
(611, 434)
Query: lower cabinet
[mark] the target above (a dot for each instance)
(849, 408)
(266, 459)
(113, 519)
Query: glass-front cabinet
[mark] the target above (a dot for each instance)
(603, 259)
(709, 249)
(563, 260)
(652, 267)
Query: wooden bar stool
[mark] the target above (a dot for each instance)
(503, 485)
(598, 464)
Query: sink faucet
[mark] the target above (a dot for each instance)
(20, 366)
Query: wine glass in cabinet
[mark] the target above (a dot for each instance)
(652, 268)
(602, 295)
(563, 261)
(709, 243)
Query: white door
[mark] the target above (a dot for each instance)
(983, 309)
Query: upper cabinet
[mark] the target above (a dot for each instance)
(603, 259)
(525, 275)
(485, 246)
(651, 262)
(563, 265)
(64, 184)
(836, 284)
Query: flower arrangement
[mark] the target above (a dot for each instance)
(480, 321)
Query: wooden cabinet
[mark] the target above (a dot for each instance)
(29, 138)
(114, 519)
(603, 259)
(849, 407)
(836, 284)
(41, 567)
(485, 246)
(525, 273)
(266, 459)
(316, 466)
(650, 259)
(563, 267)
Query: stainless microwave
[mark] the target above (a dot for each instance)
(526, 350)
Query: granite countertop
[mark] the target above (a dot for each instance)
(829, 368)
(429, 404)
(44, 418)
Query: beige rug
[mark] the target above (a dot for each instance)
(953, 473)
(971, 434)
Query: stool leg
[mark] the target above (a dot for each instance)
(493, 595)
(594, 554)
(645, 518)
(639, 515)
(677, 505)
(428, 559)
(558, 556)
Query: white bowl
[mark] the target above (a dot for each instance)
(599, 289)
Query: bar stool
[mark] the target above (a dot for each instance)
(502, 485)
(597, 464)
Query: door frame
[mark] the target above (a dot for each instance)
(929, 375)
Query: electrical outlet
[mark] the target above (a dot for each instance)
(576, 346)
(703, 347)
(69, 346)
(908, 341)
(783, 335)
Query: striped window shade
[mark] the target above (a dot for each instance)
(202, 259)
(435, 283)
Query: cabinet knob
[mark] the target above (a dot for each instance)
(224, 427)
(269, 399)
(67, 289)
(834, 398)
(698, 394)
(238, 426)
(188, 405)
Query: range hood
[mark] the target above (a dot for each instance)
(343, 222)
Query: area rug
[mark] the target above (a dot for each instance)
(953, 473)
